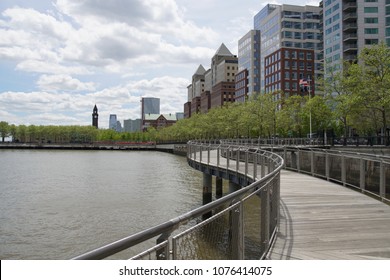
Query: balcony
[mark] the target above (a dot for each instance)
(349, 6)
(350, 48)
(350, 37)
(350, 16)
(350, 57)
(350, 27)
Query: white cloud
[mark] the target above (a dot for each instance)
(82, 52)
(63, 83)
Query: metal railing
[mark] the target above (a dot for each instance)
(367, 173)
(243, 224)
(366, 141)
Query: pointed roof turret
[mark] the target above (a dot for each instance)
(223, 51)
(200, 70)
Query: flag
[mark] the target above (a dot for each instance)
(303, 83)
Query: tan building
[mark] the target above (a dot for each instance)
(158, 121)
(214, 87)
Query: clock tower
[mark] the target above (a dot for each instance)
(95, 117)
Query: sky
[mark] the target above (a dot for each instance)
(58, 58)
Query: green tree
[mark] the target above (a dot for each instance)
(4, 130)
(290, 117)
(374, 76)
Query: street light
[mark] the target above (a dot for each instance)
(303, 83)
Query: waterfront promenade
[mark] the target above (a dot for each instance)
(323, 220)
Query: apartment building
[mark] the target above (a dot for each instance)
(351, 25)
(214, 87)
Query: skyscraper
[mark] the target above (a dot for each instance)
(149, 105)
(248, 73)
(112, 122)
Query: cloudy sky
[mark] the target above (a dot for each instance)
(58, 58)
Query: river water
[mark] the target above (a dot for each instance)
(59, 204)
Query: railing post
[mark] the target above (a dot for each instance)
(327, 166)
(255, 157)
(299, 160)
(208, 154)
(382, 182)
(246, 162)
(218, 153)
(362, 175)
(312, 162)
(237, 232)
(227, 158)
(238, 160)
(194, 151)
(285, 157)
(262, 165)
(200, 156)
(265, 219)
(343, 170)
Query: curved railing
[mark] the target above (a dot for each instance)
(368, 173)
(365, 172)
(242, 225)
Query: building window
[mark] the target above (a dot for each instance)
(370, 20)
(370, 10)
(370, 30)
(371, 41)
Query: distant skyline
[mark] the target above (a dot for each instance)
(58, 58)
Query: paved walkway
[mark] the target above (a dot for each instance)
(322, 220)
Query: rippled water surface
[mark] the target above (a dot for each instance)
(59, 204)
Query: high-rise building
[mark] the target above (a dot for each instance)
(248, 73)
(224, 66)
(351, 25)
(112, 122)
(95, 117)
(292, 27)
(387, 32)
(149, 105)
(214, 87)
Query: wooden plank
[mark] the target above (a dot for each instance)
(323, 220)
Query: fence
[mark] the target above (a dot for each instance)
(243, 223)
(365, 172)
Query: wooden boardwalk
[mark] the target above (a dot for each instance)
(322, 220)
